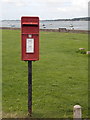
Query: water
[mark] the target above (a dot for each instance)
(10, 23)
(77, 25)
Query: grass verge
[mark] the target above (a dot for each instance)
(60, 77)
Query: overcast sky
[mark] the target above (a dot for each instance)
(45, 9)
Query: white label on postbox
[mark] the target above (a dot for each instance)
(29, 45)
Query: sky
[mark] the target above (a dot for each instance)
(45, 9)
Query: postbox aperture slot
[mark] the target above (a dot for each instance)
(30, 24)
(29, 45)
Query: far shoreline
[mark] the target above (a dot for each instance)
(54, 30)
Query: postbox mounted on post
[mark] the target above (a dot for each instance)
(30, 49)
(30, 38)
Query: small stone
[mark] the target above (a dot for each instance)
(81, 48)
(88, 52)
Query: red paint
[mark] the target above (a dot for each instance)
(30, 25)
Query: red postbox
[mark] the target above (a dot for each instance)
(30, 38)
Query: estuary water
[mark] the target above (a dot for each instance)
(77, 25)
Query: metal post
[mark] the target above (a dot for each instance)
(30, 87)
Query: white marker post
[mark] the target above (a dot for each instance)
(77, 113)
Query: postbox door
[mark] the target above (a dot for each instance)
(30, 38)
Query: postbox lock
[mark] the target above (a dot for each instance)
(29, 35)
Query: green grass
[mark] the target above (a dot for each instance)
(60, 77)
